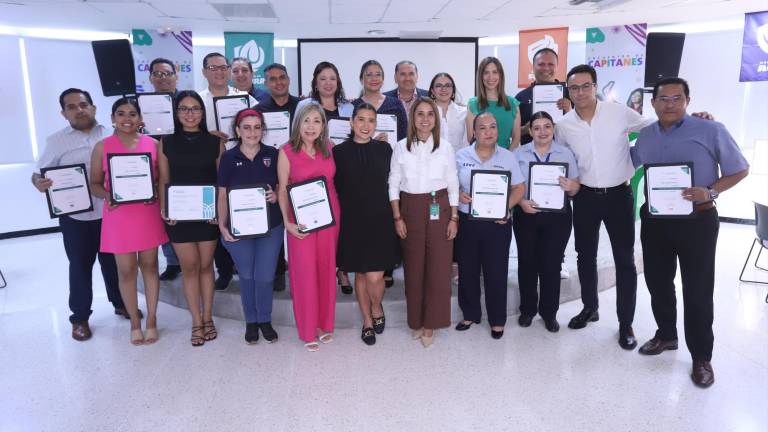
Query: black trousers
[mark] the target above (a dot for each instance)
(541, 239)
(483, 246)
(82, 240)
(615, 208)
(693, 243)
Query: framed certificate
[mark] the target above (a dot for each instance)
(311, 204)
(544, 185)
(190, 203)
(131, 178)
(490, 194)
(545, 97)
(339, 129)
(248, 211)
(387, 123)
(157, 112)
(225, 108)
(70, 193)
(664, 185)
(278, 128)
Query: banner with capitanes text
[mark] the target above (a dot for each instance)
(174, 46)
(618, 55)
(754, 48)
(258, 48)
(531, 41)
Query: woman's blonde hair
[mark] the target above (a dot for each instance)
(321, 142)
(412, 123)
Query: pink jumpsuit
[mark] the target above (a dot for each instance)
(312, 260)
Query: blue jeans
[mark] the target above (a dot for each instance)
(256, 260)
(170, 254)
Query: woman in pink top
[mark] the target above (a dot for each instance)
(132, 229)
(312, 256)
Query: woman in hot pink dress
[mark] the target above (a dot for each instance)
(130, 231)
(312, 256)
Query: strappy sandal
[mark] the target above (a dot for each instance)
(137, 337)
(326, 338)
(152, 336)
(197, 340)
(312, 346)
(209, 332)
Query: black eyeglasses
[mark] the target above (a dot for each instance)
(162, 74)
(193, 110)
(221, 68)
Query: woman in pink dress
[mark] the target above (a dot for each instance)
(312, 256)
(131, 231)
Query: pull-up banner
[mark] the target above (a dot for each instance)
(754, 48)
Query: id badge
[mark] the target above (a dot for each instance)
(434, 211)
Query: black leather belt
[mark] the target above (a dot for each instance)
(603, 191)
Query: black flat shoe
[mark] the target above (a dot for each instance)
(461, 326)
(552, 325)
(251, 333)
(270, 335)
(378, 324)
(345, 289)
(497, 334)
(585, 316)
(525, 320)
(368, 336)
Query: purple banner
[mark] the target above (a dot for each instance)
(754, 50)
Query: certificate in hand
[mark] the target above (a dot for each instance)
(157, 112)
(545, 97)
(70, 193)
(387, 123)
(339, 129)
(248, 211)
(226, 108)
(131, 178)
(190, 203)
(311, 204)
(490, 194)
(544, 185)
(278, 130)
(664, 185)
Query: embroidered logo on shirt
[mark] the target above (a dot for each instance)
(267, 161)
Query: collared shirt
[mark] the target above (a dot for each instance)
(407, 104)
(70, 146)
(210, 115)
(421, 170)
(235, 169)
(602, 146)
(453, 125)
(468, 160)
(705, 143)
(557, 153)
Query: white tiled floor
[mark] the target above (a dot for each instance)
(530, 380)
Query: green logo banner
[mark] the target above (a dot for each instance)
(258, 48)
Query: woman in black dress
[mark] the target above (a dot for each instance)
(368, 244)
(190, 157)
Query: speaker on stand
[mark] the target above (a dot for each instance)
(114, 61)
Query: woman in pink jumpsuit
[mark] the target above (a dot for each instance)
(311, 256)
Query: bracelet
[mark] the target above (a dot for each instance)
(455, 218)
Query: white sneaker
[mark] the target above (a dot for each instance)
(564, 273)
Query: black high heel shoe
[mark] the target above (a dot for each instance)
(346, 289)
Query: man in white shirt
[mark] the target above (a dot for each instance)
(81, 232)
(216, 70)
(597, 132)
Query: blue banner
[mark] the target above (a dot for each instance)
(754, 49)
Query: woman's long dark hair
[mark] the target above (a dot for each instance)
(178, 128)
(315, 94)
(362, 106)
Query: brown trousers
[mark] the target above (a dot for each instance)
(427, 258)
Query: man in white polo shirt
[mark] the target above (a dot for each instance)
(81, 232)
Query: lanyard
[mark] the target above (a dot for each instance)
(434, 198)
(537, 156)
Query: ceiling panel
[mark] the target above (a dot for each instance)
(186, 9)
(413, 11)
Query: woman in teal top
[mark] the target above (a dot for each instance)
(490, 97)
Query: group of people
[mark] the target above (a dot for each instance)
(406, 201)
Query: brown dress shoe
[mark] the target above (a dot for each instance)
(657, 346)
(81, 331)
(702, 373)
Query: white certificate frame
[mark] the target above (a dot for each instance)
(546, 101)
(502, 214)
(211, 207)
(230, 210)
(654, 212)
(149, 116)
(144, 198)
(228, 116)
(313, 182)
(53, 200)
(543, 206)
(391, 133)
(336, 125)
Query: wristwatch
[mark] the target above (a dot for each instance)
(713, 194)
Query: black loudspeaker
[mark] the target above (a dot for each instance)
(114, 60)
(662, 56)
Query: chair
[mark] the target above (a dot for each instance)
(761, 219)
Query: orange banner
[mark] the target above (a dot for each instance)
(533, 40)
